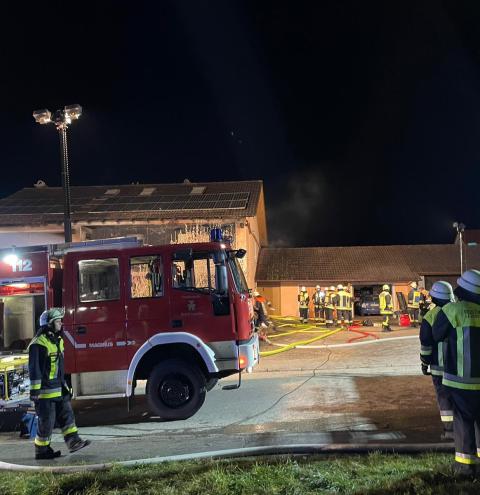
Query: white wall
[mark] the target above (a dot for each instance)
(29, 238)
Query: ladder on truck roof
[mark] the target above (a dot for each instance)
(95, 245)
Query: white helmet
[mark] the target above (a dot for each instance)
(470, 281)
(339, 287)
(317, 287)
(385, 287)
(256, 293)
(442, 290)
(413, 285)
(303, 288)
(332, 288)
(43, 320)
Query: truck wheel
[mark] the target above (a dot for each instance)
(211, 384)
(176, 389)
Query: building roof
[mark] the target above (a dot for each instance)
(470, 236)
(44, 205)
(374, 264)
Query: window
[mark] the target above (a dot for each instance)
(238, 275)
(146, 276)
(195, 273)
(98, 280)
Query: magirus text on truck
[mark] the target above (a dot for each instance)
(177, 318)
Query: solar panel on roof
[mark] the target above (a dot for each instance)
(166, 202)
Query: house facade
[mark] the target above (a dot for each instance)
(156, 213)
(282, 271)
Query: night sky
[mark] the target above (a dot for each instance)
(361, 118)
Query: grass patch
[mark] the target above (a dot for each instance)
(374, 474)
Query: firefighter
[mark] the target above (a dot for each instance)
(303, 302)
(329, 306)
(343, 305)
(431, 354)
(348, 290)
(48, 388)
(425, 302)
(260, 315)
(386, 307)
(319, 304)
(458, 325)
(413, 303)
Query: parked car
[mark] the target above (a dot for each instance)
(367, 305)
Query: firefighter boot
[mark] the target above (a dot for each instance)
(74, 442)
(46, 452)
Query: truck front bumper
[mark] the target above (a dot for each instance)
(249, 353)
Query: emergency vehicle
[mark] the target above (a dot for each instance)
(179, 316)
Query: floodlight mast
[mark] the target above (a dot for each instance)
(460, 229)
(62, 119)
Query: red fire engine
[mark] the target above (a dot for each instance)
(179, 316)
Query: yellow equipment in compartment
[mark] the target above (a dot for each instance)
(8, 365)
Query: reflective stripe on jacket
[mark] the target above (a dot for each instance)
(45, 364)
(319, 298)
(303, 299)
(329, 298)
(431, 352)
(413, 300)
(386, 303)
(343, 300)
(458, 324)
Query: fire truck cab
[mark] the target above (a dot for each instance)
(179, 317)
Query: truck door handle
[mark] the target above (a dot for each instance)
(81, 330)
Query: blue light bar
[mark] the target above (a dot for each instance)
(216, 235)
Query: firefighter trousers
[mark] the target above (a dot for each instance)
(304, 314)
(444, 401)
(319, 312)
(386, 320)
(53, 412)
(466, 418)
(343, 316)
(329, 316)
(413, 313)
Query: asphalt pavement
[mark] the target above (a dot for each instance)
(367, 393)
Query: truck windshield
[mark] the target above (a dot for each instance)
(238, 276)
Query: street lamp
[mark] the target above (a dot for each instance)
(62, 119)
(460, 229)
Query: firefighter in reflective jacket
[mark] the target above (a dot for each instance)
(431, 354)
(343, 304)
(303, 302)
(319, 304)
(48, 388)
(386, 307)
(413, 304)
(458, 324)
(329, 306)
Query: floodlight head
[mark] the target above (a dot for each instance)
(455, 225)
(43, 116)
(72, 112)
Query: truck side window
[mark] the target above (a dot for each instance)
(98, 280)
(146, 276)
(197, 273)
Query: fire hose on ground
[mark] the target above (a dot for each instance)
(288, 347)
(274, 450)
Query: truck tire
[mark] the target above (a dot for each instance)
(176, 389)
